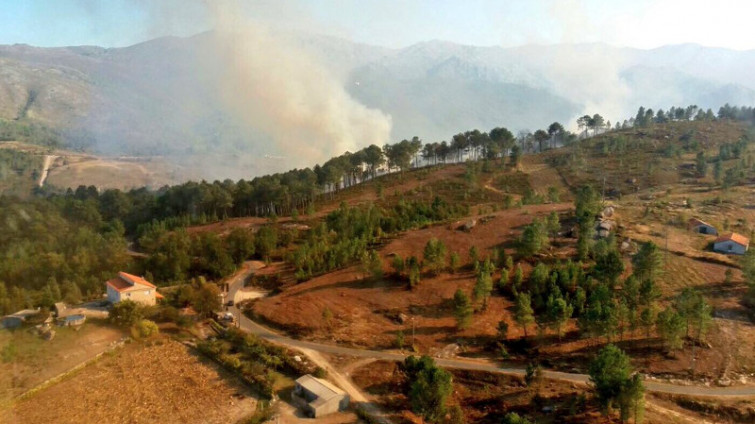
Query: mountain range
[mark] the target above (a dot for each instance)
(160, 97)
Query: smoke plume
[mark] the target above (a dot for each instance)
(271, 84)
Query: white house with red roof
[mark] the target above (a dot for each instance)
(130, 287)
(732, 243)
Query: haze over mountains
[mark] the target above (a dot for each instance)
(162, 97)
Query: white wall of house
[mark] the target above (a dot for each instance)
(145, 297)
(113, 295)
(729, 246)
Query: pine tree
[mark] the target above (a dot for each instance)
(482, 289)
(462, 309)
(523, 313)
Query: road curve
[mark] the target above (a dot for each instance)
(250, 326)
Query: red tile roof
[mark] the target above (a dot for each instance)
(127, 282)
(735, 237)
(135, 279)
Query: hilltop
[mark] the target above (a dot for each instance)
(162, 97)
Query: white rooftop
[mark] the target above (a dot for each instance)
(324, 390)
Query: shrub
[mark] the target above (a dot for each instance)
(144, 329)
(125, 313)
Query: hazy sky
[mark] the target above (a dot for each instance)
(395, 23)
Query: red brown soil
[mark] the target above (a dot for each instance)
(486, 398)
(161, 383)
(362, 308)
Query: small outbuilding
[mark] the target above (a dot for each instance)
(318, 397)
(17, 319)
(733, 243)
(702, 227)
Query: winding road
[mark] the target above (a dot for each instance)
(246, 324)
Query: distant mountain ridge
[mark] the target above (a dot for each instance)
(159, 97)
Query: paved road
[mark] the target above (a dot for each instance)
(248, 325)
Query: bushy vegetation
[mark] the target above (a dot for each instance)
(347, 233)
(429, 387)
(56, 249)
(253, 359)
(19, 171)
(29, 132)
(616, 385)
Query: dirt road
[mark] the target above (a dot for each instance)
(46, 168)
(248, 325)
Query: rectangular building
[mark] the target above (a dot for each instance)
(318, 397)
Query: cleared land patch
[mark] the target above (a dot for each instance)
(161, 383)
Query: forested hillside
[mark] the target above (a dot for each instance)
(59, 244)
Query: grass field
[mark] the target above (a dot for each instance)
(162, 382)
(29, 360)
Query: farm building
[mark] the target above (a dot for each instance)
(130, 287)
(318, 397)
(700, 226)
(17, 319)
(731, 243)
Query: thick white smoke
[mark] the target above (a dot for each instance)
(271, 84)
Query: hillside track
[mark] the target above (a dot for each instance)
(251, 326)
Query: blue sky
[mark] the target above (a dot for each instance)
(394, 23)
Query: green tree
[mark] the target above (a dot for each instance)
(559, 312)
(462, 309)
(701, 164)
(503, 282)
(646, 262)
(400, 339)
(609, 373)
(206, 300)
(632, 400)
(553, 225)
(429, 388)
(523, 313)
(398, 265)
(240, 245)
(455, 262)
(534, 239)
(482, 289)
(414, 275)
(515, 155)
(125, 313)
(372, 265)
(144, 329)
(671, 326)
(609, 266)
(691, 306)
(266, 241)
(518, 277)
(435, 256)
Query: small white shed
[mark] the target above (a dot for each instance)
(318, 397)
